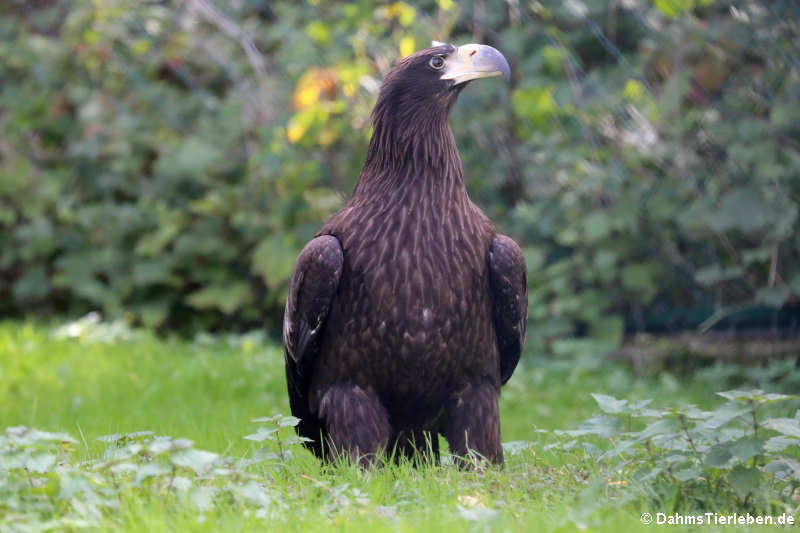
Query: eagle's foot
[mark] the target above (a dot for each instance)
(356, 422)
(472, 423)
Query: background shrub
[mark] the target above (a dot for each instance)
(166, 161)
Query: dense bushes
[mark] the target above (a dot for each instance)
(166, 161)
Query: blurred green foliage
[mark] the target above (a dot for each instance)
(166, 161)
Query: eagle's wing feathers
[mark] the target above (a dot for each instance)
(509, 288)
(311, 292)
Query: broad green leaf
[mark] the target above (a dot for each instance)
(724, 414)
(296, 439)
(225, 297)
(151, 470)
(300, 123)
(747, 447)
(691, 412)
(755, 395)
(787, 426)
(138, 434)
(254, 493)
(741, 395)
(634, 90)
(203, 497)
(319, 31)
(795, 284)
(674, 8)
(166, 444)
(517, 446)
(153, 243)
(658, 427)
(262, 434)
(181, 483)
(718, 456)
(623, 447)
(555, 58)
(777, 444)
(116, 453)
(24, 435)
(609, 404)
(119, 437)
(713, 274)
(288, 421)
(123, 468)
(403, 12)
(610, 328)
(274, 259)
(597, 226)
(535, 258)
(536, 104)
(191, 158)
(259, 456)
(742, 208)
(197, 460)
(647, 475)
(640, 278)
(744, 480)
(33, 284)
(407, 46)
(72, 483)
(151, 271)
(278, 420)
(784, 468)
(40, 462)
(773, 296)
(601, 425)
(757, 255)
(688, 474)
(111, 438)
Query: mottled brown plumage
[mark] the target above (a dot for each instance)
(407, 312)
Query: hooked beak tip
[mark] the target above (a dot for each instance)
(472, 61)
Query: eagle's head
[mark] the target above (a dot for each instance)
(430, 80)
(410, 116)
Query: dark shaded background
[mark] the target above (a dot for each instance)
(165, 161)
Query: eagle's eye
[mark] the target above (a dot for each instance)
(436, 62)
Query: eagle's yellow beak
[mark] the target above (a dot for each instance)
(473, 61)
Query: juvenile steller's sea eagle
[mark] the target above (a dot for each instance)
(407, 312)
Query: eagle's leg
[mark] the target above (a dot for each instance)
(416, 445)
(472, 422)
(356, 422)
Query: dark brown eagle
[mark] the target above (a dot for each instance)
(407, 312)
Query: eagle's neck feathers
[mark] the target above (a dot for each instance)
(412, 146)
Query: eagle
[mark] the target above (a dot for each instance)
(407, 311)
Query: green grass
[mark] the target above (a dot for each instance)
(210, 391)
